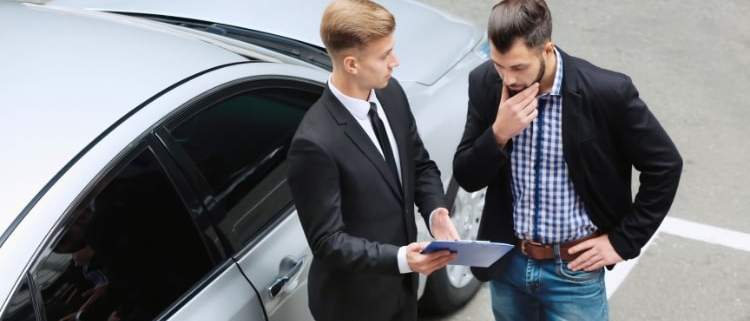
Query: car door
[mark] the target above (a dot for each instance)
(233, 144)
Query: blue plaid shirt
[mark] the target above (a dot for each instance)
(546, 207)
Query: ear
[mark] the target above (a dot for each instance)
(549, 47)
(350, 65)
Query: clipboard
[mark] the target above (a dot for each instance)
(471, 253)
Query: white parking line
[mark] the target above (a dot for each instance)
(613, 279)
(682, 228)
(706, 233)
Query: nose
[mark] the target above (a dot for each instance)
(394, 61)
(509, 79)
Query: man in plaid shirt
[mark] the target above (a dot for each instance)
(554, 139)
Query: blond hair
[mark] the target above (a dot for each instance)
(348, 24)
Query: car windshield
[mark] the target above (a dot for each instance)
(297, 49)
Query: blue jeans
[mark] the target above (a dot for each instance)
(527, 289)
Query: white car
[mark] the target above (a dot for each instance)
(143, 146)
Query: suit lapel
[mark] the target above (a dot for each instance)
(570, 117)
(363, 142)
(575, 127)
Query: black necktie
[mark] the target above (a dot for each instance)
(385, 144)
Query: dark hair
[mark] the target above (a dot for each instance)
(527, 19)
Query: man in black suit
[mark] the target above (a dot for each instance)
(357, 166)
(554, 138)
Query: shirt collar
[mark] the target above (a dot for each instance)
(357, 107)
(557, 83)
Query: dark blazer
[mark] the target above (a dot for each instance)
(606, 130)
(354, 213)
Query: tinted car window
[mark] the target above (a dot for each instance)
(20, 307)
(129, 251)
(239, 145)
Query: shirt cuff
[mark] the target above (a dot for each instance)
(403, 266)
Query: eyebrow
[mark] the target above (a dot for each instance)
(514, 66)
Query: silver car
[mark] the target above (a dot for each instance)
(143, 143)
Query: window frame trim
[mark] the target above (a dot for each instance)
(190, 169)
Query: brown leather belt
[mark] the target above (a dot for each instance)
(538, 251)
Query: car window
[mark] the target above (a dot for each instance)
(129, 251)
(20, 307)
(239, 145)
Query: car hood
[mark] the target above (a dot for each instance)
(428, 41)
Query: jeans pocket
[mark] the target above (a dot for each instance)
(579, 276)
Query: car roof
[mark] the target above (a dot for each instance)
(66, 76)
(428, 42)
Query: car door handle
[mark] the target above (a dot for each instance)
(288, 268)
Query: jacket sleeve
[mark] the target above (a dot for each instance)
(428, 188)
(314, 182)
(648, 147)
(478, 159)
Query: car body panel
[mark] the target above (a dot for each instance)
(286, 241)
(227, 297)
(440, 111)
(448, 40)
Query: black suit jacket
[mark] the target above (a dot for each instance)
(606, 130)
(354, 213)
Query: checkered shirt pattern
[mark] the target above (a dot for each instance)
(546, 207)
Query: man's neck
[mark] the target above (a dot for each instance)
(548, 79)
(349, 87)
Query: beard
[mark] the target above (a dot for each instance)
(542, 67)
